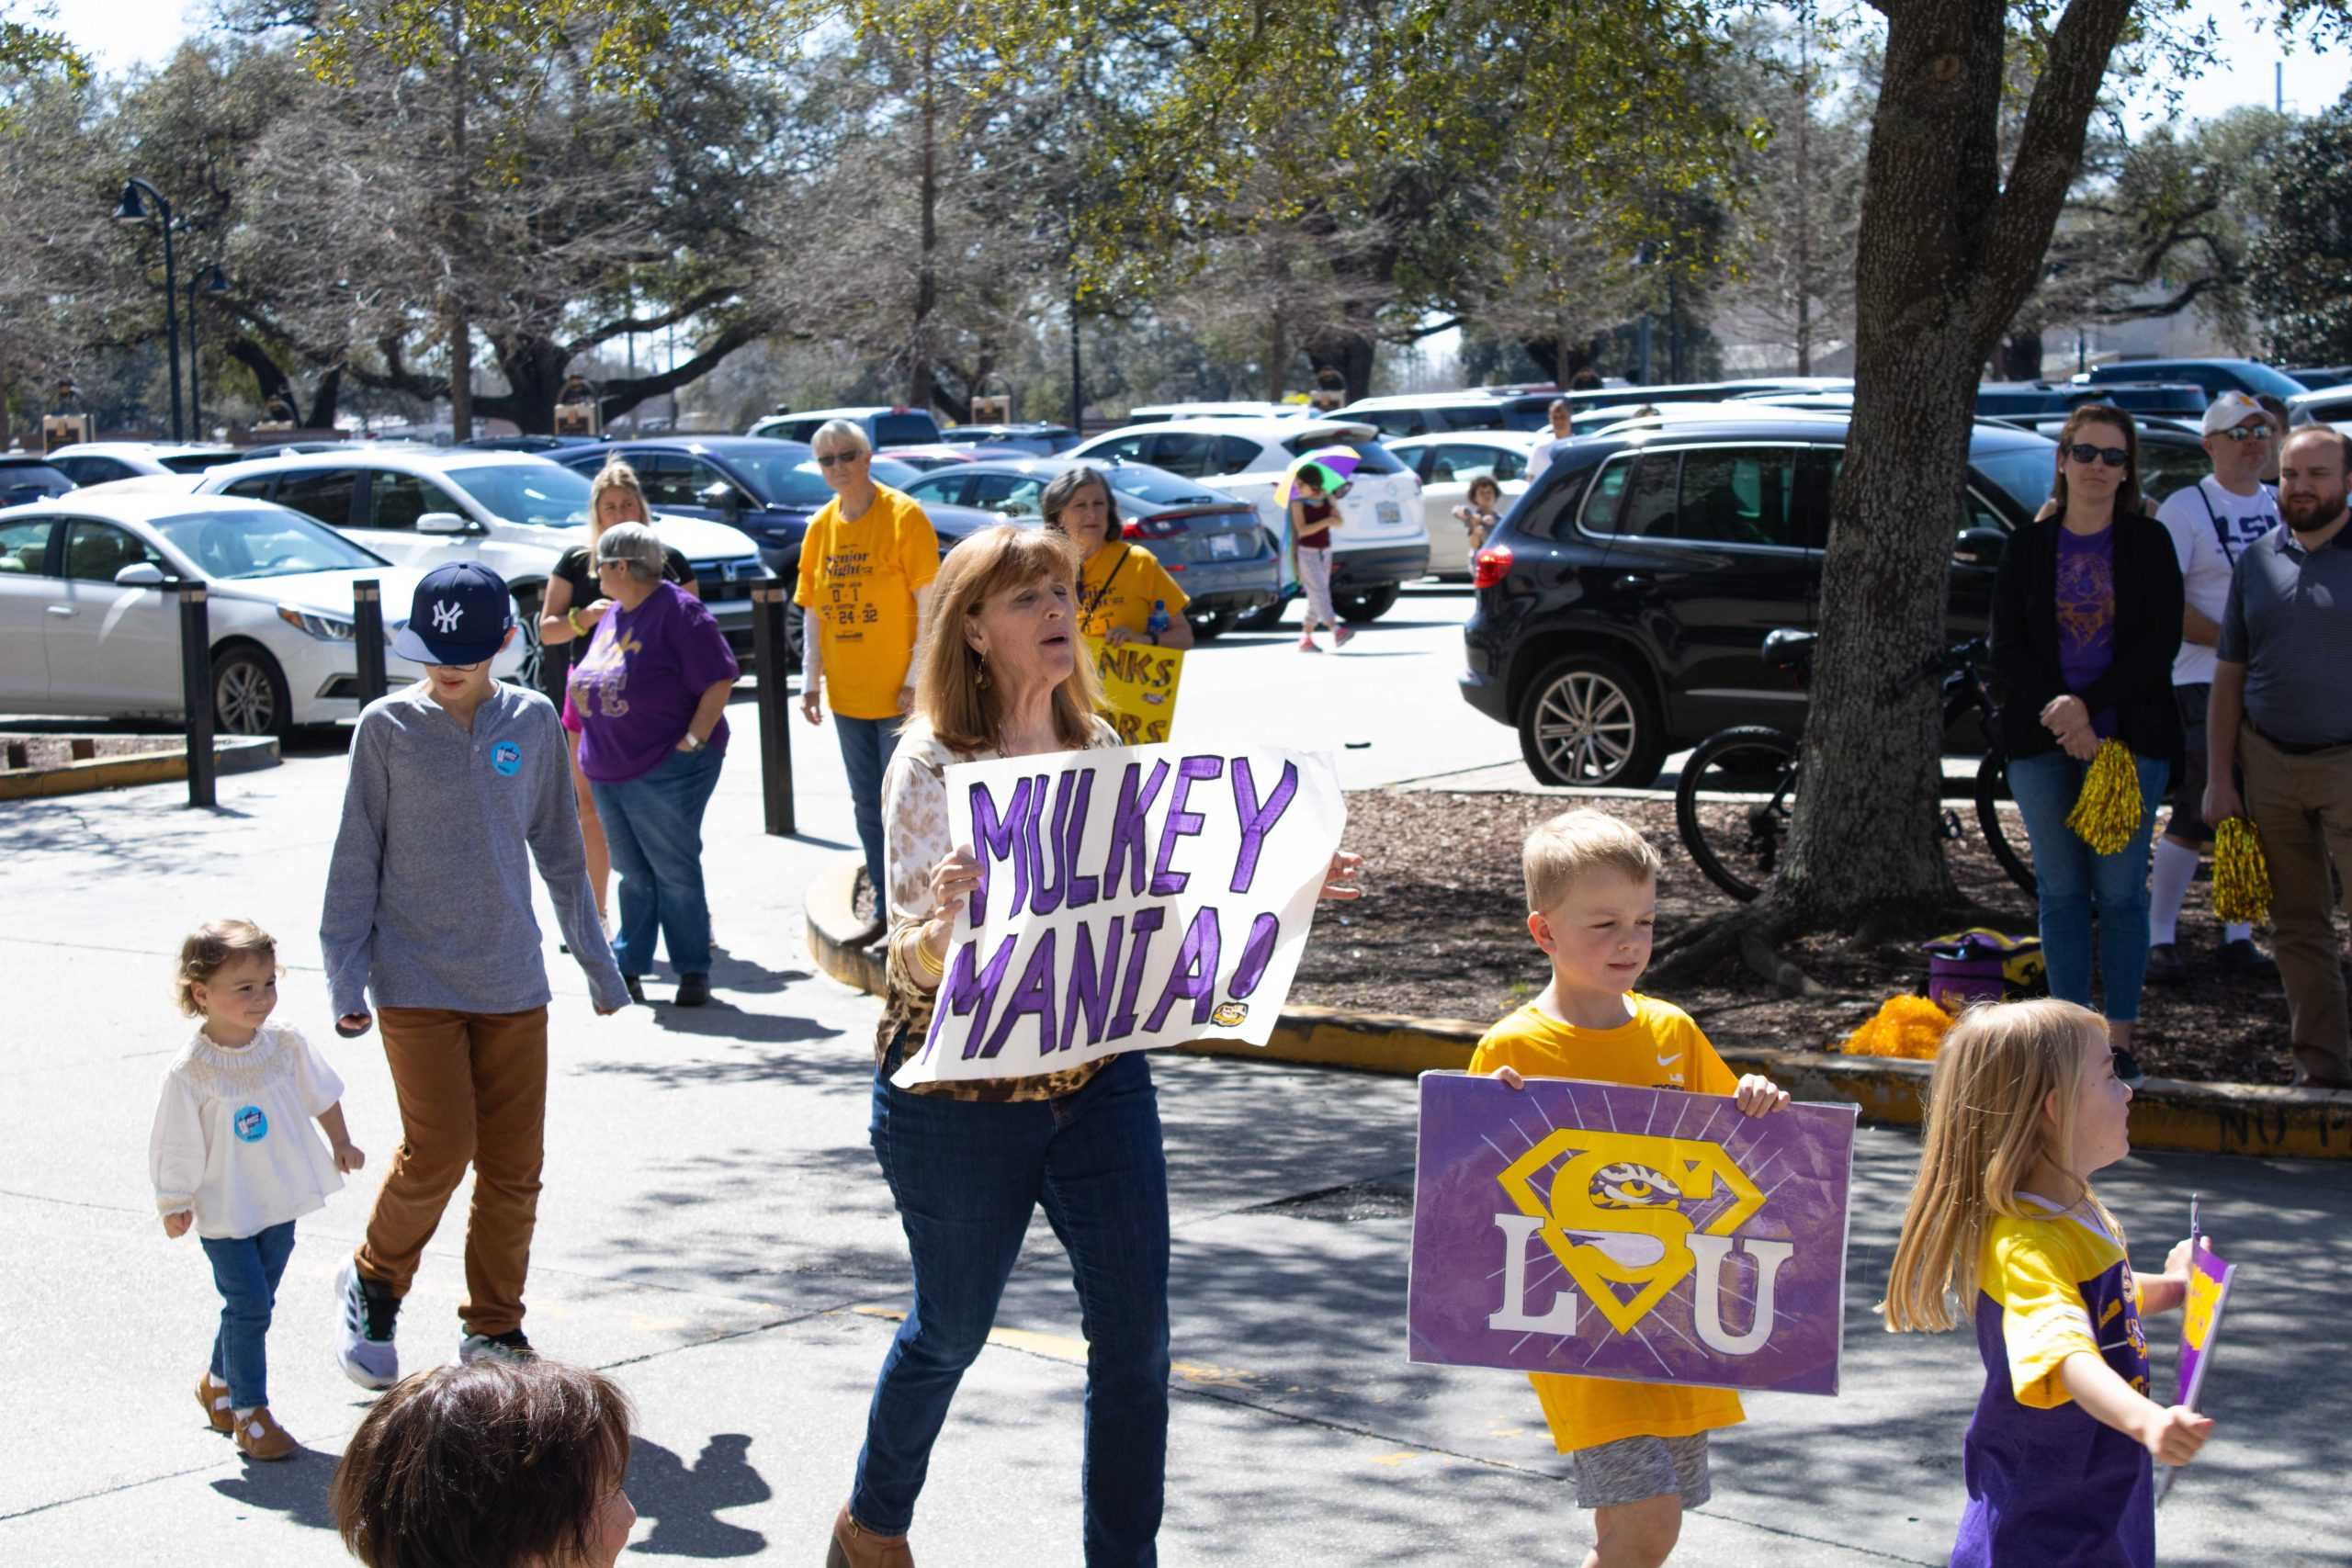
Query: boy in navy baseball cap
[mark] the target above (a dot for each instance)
(458, 783)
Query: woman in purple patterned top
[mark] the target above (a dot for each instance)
(2087, 617)
(651, 695)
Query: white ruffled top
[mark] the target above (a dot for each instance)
(236, 1134)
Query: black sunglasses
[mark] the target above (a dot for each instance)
(2247, 431)
(2084, 452)
(828, 459)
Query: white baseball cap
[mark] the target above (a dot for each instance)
(2230, 409)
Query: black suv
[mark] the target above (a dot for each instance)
(1623, 603)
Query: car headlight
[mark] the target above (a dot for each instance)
(326, 629)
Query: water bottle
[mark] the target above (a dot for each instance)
(1159, 624)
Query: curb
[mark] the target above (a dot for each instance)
(2166, 1113)
(230, 754)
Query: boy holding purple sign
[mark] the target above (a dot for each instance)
(1638, 1451)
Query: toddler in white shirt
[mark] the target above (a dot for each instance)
(233, 1154)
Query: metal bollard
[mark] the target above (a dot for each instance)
(367, 635)
(771, 602)
(195, 689)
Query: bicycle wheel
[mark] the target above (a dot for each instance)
(1748, 779)
(2002, 835)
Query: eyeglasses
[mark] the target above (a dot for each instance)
(831, 459)
(2084, 452)
(2247, 431)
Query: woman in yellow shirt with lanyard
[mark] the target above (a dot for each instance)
(1119, 586)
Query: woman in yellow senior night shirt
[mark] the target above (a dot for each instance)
(864, 563)
(1118, 583)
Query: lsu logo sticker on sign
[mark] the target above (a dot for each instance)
(506, 759)
(1609, 1231)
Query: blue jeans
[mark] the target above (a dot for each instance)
(867, 745)
(245, 1270)
(2073, 882)
(653, 826)
(966, 1175)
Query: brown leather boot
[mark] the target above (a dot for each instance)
(854, 1546)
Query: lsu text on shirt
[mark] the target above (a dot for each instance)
(1118, 587)
(859, 579)
(2048, 1485)
(1660, 1048)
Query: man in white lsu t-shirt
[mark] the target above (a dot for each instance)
(2211, 522)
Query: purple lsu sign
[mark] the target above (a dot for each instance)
(1611, 1232)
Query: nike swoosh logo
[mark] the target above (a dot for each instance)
(1665, 1061)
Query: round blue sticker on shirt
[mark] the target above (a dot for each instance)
(250, 1124)
(506, 759)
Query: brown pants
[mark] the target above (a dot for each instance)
(2302, 806)
(472, 1089)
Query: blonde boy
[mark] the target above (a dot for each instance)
(1638, 1451)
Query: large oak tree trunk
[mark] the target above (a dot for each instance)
(1945, 257)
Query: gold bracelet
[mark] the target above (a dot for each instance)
(577, 629)
(935, 967)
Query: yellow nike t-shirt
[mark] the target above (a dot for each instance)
(861, 578)
(1118, 587)
(1660, 1048)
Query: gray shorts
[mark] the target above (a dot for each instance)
(1634, 1469)
(2187, 822)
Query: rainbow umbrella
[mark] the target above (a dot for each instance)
(1334, 463)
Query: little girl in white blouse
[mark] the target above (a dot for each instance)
(232, 1151)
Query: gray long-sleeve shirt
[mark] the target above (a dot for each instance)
(428, 899)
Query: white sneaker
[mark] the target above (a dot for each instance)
(508, 1346)
(364, 1348)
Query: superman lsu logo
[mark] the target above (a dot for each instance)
(1619, 1212)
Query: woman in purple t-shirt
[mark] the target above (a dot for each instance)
(651, 695)
(2087, 617)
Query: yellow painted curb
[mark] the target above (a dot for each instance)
(2235, 1119)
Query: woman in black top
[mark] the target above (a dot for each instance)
(2086, 622)
(568, 613)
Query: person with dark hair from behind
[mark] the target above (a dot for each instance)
(2279, 422)
(492, 1463)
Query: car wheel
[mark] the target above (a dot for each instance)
(1368, 605)
(1587, 719)
(1210, 625)
(249, 694)
(535, 661)
(1264, 618)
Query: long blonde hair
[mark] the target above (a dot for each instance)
(950, 693)
(1986, 1131)
(616, 474)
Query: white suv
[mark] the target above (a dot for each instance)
(514, 512)
(1380, 544)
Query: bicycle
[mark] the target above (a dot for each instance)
(1738, 850)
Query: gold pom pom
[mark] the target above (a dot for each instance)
(1908, 1026)
(2241, 877)
(2107, 814)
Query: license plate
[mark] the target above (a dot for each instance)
(1391, 512)
(1224, 544)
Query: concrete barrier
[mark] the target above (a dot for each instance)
(232, 754)
(2166, 1113)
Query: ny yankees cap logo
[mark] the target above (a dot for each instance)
(459, 615)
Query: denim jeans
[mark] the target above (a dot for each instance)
(653, 826)
(245, 1270)
(966, 1175)
(2073, 881)
(867, 745)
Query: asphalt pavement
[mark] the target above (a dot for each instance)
(713, 1233)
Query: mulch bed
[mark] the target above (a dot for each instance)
(1442, 932)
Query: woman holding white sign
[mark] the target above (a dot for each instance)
(968, 1161)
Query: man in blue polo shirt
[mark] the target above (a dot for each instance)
(2279, 706)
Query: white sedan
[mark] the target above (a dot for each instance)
(88, 626)
(1445, 466)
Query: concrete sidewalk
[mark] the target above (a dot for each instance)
(714, 1232)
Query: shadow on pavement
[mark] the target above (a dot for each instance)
(296, 1487)
(685, 1500)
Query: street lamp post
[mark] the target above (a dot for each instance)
(217, 283)
(132, 211)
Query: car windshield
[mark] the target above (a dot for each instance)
(1371, 457)
(277, 542)
(1157, 486)
(197, 462)
(543, 495)
(883, 471)
(2025, 472)
(786, 477)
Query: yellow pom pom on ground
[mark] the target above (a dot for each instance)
(1908, 1026)
(2108, 813)
(2240, 875)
